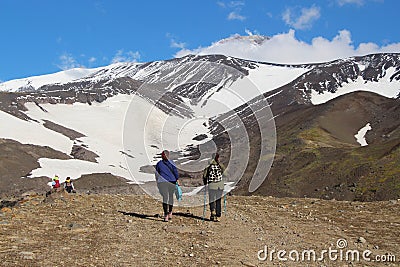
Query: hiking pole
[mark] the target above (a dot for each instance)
(205, 202)
(226, 192)
(225, 203)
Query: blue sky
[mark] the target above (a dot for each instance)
(46, 36)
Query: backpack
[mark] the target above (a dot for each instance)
(214, 173)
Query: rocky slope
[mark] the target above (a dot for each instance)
(126, 230)
(318, 156)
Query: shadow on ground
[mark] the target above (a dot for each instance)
(155, 217)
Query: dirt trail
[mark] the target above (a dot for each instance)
(124, 230)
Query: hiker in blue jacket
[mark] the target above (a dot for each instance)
(167, 177)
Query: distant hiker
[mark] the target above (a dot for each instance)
(212, 178)
(69, 186)
(56, 182)
(167, 177)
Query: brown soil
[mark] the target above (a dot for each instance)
(317, 156)
(18, 160)
(126, 230)
(105, 183)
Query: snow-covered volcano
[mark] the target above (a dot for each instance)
(171, 105)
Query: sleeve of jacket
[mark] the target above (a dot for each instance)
(223, 169)
(175, 171)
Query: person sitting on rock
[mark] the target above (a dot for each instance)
(69, 186)
(56, 182)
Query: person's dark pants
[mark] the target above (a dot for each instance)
(167, 191)
(68, 189)
(215, 201)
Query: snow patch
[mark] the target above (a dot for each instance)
(35, 82)
(260, 80)
(384, 87)
(360, 136)
(34, 133)
(104, 126)
(73, 168)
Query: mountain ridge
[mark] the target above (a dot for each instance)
(189, 87)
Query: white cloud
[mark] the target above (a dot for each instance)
(344, 2)
(285, 48)
(234, 15)
(356, 2)
(129, 56)
(221, 4)
(235, 7)
(248, 32)
(236, 3)
(67, 61)
(174, 43)
(231, 4)
(100, 7)
(251, 33)
(304, 20)
(92, 60)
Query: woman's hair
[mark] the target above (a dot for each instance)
(165, 154)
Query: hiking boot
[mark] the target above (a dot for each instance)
(166, 218)
(213, 216)
(170, 215)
